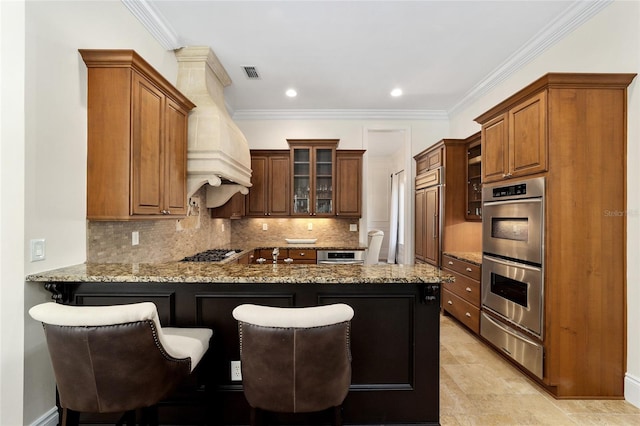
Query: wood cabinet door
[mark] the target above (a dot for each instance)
(528, 137)
(175, 187)
(420, 221)
(349, 184)
(278, 186)
(432, 226)
(257, 197)
(148, 166)
(495, 153)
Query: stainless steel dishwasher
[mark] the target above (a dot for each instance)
(340, 257)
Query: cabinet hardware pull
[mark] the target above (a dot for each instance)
(450, 302)
(450, 263)
(468, 314)
(435, 217)
(468, 289)
(469, 270)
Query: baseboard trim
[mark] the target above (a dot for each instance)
(50, 418)
(632, 389)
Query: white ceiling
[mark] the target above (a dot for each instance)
(348, 55)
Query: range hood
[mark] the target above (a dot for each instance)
(218, 153)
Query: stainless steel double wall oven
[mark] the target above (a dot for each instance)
(512, 270)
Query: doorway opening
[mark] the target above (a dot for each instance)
(387, 163)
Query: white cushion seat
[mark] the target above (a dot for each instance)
(315, 316)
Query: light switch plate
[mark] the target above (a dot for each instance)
(353, 227)
(310, 226)
(38, 250)
(135, 238)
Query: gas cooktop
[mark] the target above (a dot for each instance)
(213, 255)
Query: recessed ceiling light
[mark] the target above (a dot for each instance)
(396, 92)
(291, 93)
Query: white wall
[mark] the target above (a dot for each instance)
(609, 42)
(11, 211)
(55, 145)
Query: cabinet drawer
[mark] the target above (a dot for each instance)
(465, 288)
(429, 178)
(469, 269)
(302, 254)
(461, 310)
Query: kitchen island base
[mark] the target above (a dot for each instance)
(394, 343)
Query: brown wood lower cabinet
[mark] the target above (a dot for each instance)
(461, 298)
(302, 255)
(463, 311)
(395, 337)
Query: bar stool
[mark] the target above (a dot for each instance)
(109, 359)
(295, 360)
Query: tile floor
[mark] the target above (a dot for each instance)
(478, 387)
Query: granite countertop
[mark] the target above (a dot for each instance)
(313, 246)
(467, 256)
(205, 272)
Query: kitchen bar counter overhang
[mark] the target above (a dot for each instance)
(205, 272)
(395, 332)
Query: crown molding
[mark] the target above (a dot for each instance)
(339, 114)
(575, 15)
(153, 21)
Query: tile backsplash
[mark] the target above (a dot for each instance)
(327, 231)
(160, 240)
(170, 240)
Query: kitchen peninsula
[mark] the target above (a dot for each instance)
(394, 335)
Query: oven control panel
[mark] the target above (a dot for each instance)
(507, 191)
(521, 189)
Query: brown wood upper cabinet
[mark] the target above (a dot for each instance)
(349, 183)
(515, 141)
(474, 178)
(270, 177)
(313, 177)
(136, 139)
(232, 209)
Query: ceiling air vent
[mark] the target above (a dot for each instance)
(251, 72)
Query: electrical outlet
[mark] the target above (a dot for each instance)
(236, 371)
(310, 226)
(135, 238)
(264, 227)
(353, 227)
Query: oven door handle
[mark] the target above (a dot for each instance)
(511, 263)
(520, 201)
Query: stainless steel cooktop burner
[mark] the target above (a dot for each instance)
(213, 255)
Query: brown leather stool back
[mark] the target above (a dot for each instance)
(114, 368)
(110, 359)
(295, 365)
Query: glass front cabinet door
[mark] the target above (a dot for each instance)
(313, 177)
